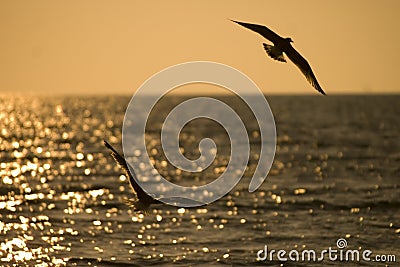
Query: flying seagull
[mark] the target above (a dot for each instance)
(282, 45)
(142, 202)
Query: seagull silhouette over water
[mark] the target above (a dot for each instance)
(282, 45)
(143, 200)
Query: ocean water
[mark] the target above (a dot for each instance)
(336, 175)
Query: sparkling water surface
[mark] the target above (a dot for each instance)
(336, 175)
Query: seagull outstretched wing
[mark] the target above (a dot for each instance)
(305, 68)
(264, 31)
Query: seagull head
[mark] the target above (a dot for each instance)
(288, 39)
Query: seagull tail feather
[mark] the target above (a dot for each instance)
(270, 51)
(138, 206)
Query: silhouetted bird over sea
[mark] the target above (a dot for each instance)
(141, 203)
(282, 45)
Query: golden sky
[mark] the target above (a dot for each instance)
(112, 47)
